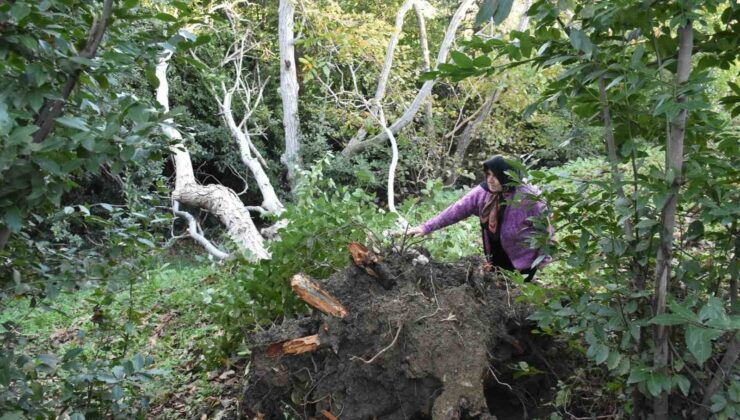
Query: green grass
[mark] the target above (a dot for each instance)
(167, 321)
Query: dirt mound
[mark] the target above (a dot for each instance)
(445, 341)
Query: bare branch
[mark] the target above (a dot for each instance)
(194, 232)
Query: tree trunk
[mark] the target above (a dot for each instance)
(724, 371)
(524, 19)
(53, 108)
(674, 164)
(289, 91)
(427, 65)
(353, 148)
(386, 71)
(216, 199)
(611, 150)
(464, 140)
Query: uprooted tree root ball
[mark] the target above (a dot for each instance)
(415, 340)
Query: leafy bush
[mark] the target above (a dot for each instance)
(324, 220)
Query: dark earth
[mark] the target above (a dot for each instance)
(445, 342)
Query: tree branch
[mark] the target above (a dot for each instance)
(353, 148)
(53, 108)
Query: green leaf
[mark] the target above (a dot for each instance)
(668, 319)
(646, 224)
(637, 375)
(21, 135)
(130, 4)
(73, 122)
(5, 122)
(428, 75)
(699, 342)
(502, 11)
(713, 309)
(580, 41)
(599, 352)
(683, 384)
(13, 415)
(655, 384)
(486, 11)
(525, 45)
(462, 60)
(482, 61)
(165, 17)
(718, 403)
(637, 56)
(183, 7)
(20, 11)
(613, 360)
(695, 231)
(13, 219)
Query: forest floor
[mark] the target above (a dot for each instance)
(455, 340)
(169, 323)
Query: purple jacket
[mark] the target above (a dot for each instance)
(515, 229)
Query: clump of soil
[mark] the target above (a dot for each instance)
(446, 341)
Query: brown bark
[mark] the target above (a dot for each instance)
(674, 165)
(464, 140)
(372, 263)
(312, 293)
(611, 149)
(52, 109)
(723, 372)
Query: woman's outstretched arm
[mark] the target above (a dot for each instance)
(465, 207)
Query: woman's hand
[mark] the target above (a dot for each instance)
(415, 231)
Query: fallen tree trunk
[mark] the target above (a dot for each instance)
(219, 200)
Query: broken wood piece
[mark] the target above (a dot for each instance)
(328, 415)
(296, 346)
(362, 256)
(372, 263)
(310, 292)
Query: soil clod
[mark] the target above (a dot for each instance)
(440, 343)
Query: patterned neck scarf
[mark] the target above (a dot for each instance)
(489, 215)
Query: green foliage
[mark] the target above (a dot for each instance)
(41, 58)
(104, 378)
(624, 52)
(324, 220)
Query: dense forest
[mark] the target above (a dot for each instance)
(221, 209)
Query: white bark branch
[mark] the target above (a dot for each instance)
(271, 203)
(217, 199)
(427, 65)
(353, 148)
(289, 90)
(387, 65)
(194, 232)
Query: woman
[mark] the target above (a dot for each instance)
(505, 213)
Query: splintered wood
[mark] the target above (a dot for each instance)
(362, 256)
(372, 263)
(295, 346)
(311, 293)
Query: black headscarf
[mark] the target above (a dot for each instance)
(499, 166)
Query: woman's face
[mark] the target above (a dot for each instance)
(493, 184)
